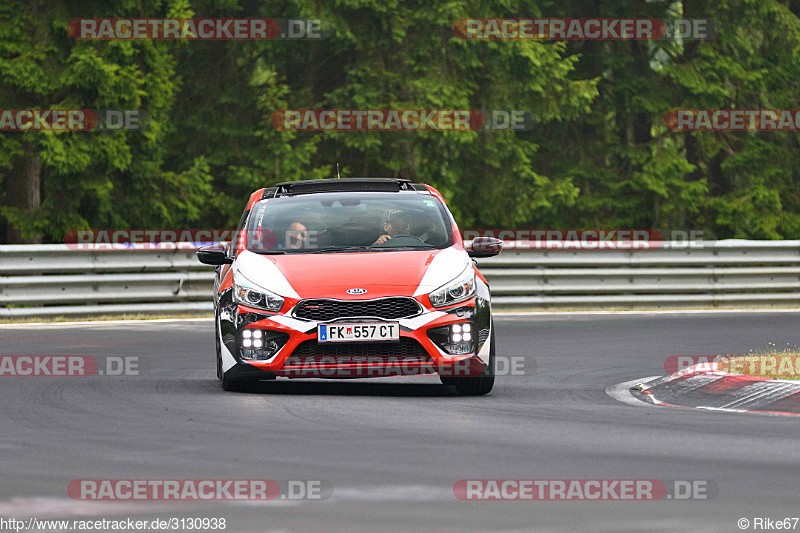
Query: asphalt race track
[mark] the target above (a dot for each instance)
(393, 449)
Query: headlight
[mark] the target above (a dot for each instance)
(459, 289)
(248, 293)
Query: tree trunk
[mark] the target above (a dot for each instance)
(24, 191)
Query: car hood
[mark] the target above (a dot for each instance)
(330, 275)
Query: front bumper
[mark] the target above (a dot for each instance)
(416, 353)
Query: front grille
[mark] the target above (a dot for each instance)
(311, 352)
(388, 308)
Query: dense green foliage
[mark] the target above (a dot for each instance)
(599, 157)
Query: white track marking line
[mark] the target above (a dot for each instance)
(643, 312)
(370, 493)
(49, 507)
(102, 322)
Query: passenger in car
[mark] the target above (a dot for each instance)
(296, 236)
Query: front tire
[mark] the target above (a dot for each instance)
(219, 349)
(229, 383)
(237, 385)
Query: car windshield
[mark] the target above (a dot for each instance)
(348, 222)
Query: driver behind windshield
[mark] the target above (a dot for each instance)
(296, 235)
(397, 223)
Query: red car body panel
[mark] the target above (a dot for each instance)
(330, 275)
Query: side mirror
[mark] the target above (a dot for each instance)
(485, 247)
(214, 254)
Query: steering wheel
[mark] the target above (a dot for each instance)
(399, 235)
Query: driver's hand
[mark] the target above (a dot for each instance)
(382, 239)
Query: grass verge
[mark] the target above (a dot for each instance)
(770, 363)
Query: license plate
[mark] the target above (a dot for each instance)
(375, 331)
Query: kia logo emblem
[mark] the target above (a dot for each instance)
(356, 291)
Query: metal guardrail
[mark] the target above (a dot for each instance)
(53, 280)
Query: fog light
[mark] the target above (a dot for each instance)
(261, 345)
(460, 332)
(455, 339)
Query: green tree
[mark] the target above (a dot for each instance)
(73, 180)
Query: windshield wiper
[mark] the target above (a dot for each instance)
(269, 252)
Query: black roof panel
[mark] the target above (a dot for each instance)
(343, 184)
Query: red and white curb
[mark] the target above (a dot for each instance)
(24, 507)
(703, 386)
